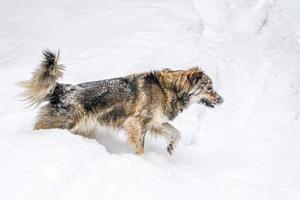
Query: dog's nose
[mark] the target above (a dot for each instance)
(220, 100)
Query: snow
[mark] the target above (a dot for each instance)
(248, 148)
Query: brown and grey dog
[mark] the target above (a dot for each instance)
(137, 103)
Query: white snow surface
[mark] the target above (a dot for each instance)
(247, 148)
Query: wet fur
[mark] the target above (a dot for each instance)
(138, 103)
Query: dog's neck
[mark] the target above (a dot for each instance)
(177, 98)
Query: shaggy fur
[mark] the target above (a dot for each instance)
(137, 103)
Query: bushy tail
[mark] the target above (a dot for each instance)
(43, 81)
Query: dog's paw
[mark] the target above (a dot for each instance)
(170, 149)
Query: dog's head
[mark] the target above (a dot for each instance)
(201, 90)
(191, 86)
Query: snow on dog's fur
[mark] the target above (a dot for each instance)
(137, 103)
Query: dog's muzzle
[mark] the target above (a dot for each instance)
(212, 104)
(207, 103)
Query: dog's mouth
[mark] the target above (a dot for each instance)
(207, 103)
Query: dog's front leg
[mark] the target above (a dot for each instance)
(142, 138)
(171, 134)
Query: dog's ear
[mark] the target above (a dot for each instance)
(194, 69)
(195, 77)
(167, 70)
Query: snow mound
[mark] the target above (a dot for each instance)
(248, 148)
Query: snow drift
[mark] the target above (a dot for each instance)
(248, 148)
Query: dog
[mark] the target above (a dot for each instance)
(138, 103)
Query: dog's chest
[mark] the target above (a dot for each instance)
(158, 119)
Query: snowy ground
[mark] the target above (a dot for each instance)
(248, 148)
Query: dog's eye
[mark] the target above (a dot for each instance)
(209, 88)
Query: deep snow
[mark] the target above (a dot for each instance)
(248, 148)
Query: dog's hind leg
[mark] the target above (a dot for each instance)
(136, 134)
(171, 134)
